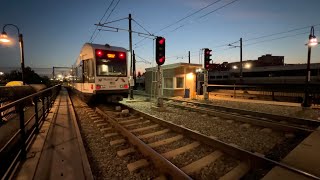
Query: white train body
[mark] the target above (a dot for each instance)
(101, 72)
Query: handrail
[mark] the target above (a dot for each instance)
(14, 149)
(7, 106)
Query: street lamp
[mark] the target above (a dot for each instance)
(312, 42)
(4, 39)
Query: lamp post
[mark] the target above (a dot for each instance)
(312, 42)
(4, 39)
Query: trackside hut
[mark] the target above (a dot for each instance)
(177, 79)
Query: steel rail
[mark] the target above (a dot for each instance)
(255, 160)
(251, 120)
(299, 121)
(159, 161)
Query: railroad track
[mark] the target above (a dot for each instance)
(178, 152)
(276, 122)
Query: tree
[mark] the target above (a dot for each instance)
(139, 74)
(29, 75)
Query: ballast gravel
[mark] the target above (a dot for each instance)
(250, 138)
(103, 159)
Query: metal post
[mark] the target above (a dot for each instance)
(131, 60)
(306, 102)
(48, 104)
(22, 57)
(43, 109)
(159, 99)
(189, 56)
(35, 100)
(22, 132)
(205, 85)
(240, 59)
(134, 68)
(53, 73)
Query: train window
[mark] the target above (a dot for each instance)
(111, 66)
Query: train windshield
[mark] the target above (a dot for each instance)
(111, 63)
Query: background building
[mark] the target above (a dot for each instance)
(177, 79)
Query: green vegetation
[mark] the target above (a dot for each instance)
(29, 75)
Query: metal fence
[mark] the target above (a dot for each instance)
(21, 120)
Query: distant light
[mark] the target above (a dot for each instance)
(199, 70)
(234, 67)
(190, 76)
(313, 41)
(4, 38)
(247, 65)
(1, 73)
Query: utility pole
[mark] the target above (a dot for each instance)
(189, 56)
(131, 66)
(22, 59)
(134, 67)
(159, 99)
(205, 85)
(53, 73)
(241, 60)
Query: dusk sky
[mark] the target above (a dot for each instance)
(55, 31)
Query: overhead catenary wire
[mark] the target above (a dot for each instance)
(268, 35)
(189, 15)
(218, 8)
(101, 20)
(106, 19)
(221, 7)
(144, 60)
(112, 11)
(142, 26)
(297, 34)
(278, 33)
(174, 23)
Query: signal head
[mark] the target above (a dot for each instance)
(160, 50)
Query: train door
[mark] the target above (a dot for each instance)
(88, 76)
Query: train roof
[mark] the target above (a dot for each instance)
(87, 51)
(104, 46)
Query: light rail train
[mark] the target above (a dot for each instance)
(101, 72)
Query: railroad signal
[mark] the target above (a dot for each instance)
(160, 50)
(207, 54)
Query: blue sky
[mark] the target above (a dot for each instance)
(54, 31)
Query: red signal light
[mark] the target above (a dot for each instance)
(161, 41)
(161, 60)
(121, 55)
(99, 53)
